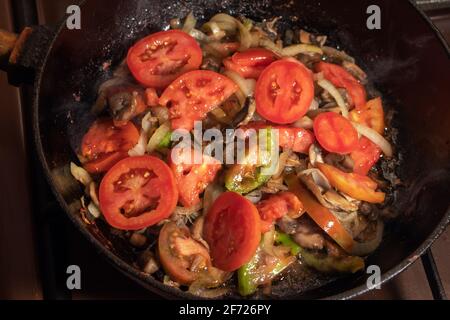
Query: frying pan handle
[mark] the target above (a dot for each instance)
(21, 55)
(8, 42)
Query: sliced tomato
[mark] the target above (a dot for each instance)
(158, 59)
(105, 144)
(193, 95)
(365, 156)
(321, 215)
(276, 206)
(343, 79)
(295, 139)
(250, 63)
(335, 133)
(232, 230)
(177, 250)
(371, 115)
(138, 192)
(104, 162)
(152, 97)
(284, 91)
(192, 179)
(355, 185)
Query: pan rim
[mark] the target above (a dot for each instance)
(155, 286)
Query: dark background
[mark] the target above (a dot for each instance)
(25, 271)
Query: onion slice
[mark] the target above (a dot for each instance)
(375, 137)
(247, 86)
(300, 48)
(80, 174)
(327, 85)
(189, 23)
(158, 136)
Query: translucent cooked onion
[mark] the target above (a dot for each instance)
(225, 22)
(305, 123)
(140, 147)
(189, 23)
(247, 86)
(270, 45)
(334, 53)
(198, 35)
(300, 48)
(230, 24)
(254, 196)
(158, 136)
(375, 137)
(94, 210)
(327, 85)
(245, 37)
(216, 32)
(80, 174)
(162, 113)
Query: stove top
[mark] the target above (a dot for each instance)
(36, 249)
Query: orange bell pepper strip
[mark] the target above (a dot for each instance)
(355, 185)
(321, 215)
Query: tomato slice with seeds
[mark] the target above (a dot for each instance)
(343, 79)
(192, 178)
(138, 192)
(284, 91)
(335, 133)
(250, 63)
(105, 144)
(193, 95)
(157, 60)
(178, 251)
(232, 230)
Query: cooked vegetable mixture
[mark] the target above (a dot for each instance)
(209, 227)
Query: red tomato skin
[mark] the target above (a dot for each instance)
(192, 179)
(343, 79)
(278, 79)
(244, 71)
(193, 95)
(232, 230)
(335, 133)
(110, 200)
(250, 63)
(365, 156)
(295, 139)
(277, 206)
(186, 53)
(152, 97)
(105, 162)
(254, 57)
(105, 144)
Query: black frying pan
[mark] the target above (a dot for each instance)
(407, 60)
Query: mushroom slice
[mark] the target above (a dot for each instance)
(318, 184)
(315, 154)
(339, 202)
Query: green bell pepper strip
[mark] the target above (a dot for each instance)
(285, 240)
(242, 178)
(166, 141)
(325, 263)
